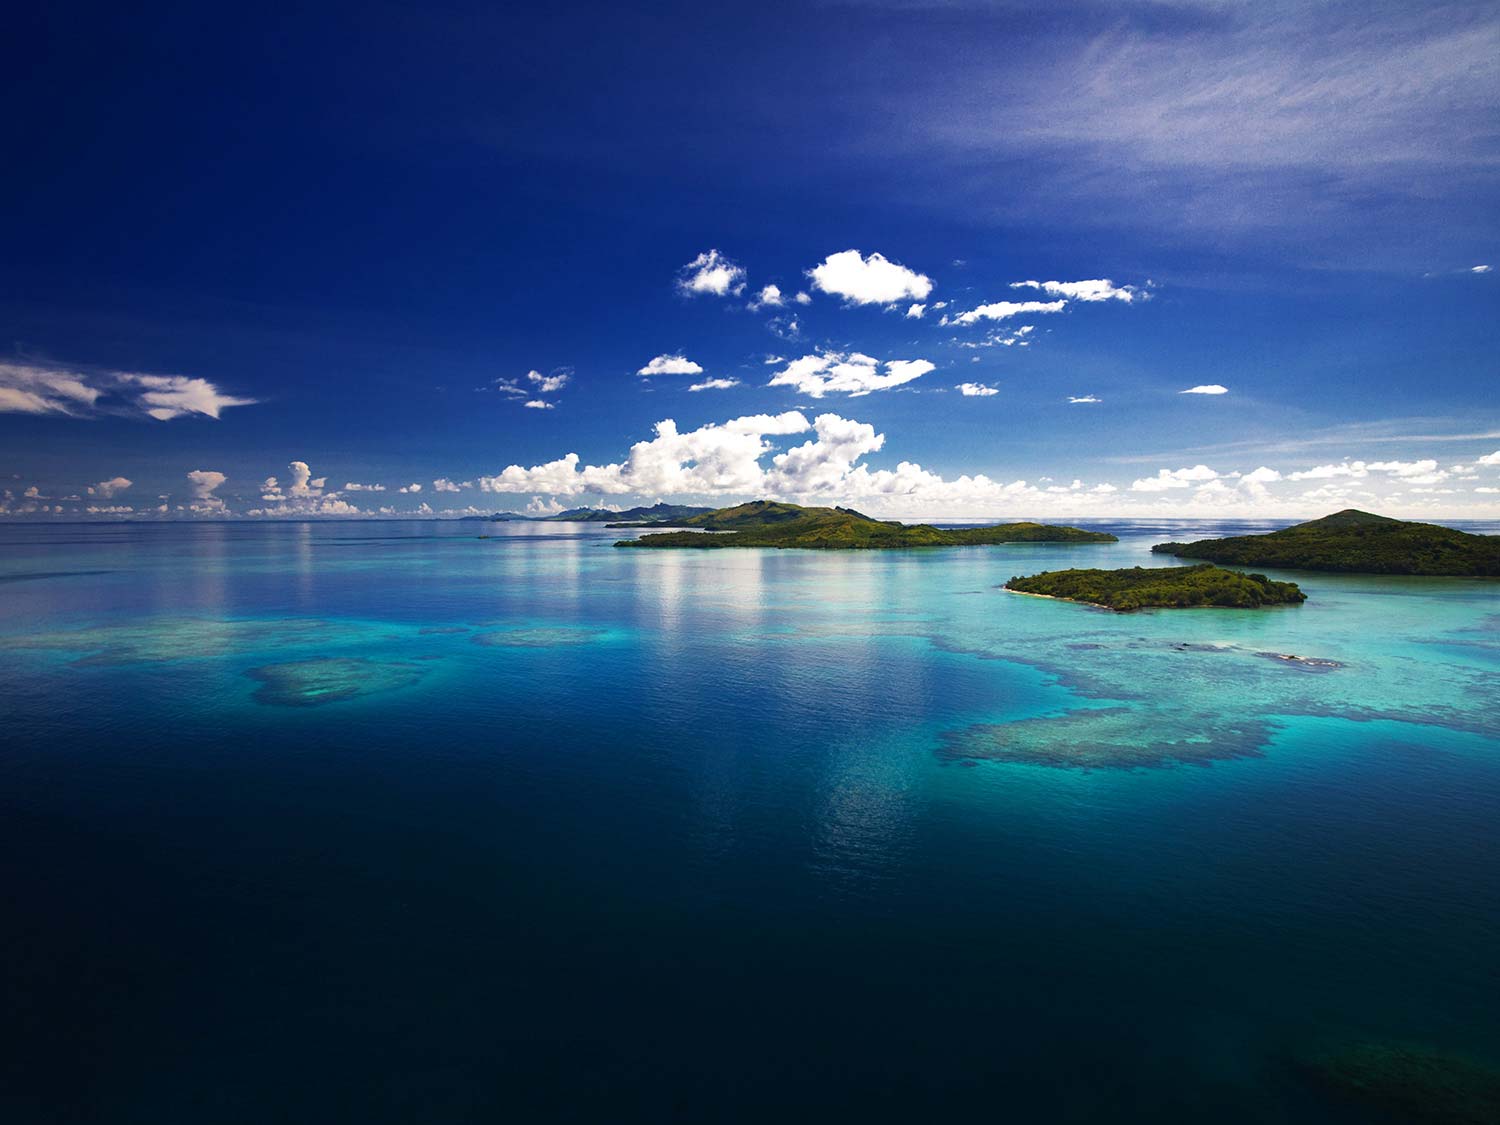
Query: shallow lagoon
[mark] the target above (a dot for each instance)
(386, 822)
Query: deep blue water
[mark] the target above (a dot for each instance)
(382, 822)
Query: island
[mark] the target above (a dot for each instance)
(656, 514)
(765, 523)
(1354, 542)
(1168, 587)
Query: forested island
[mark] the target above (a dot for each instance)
(764, 523)
(1172, 587)
(656, 513)
(1354, 542)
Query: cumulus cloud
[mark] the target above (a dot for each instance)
(868, 281)
(547, 384)
(715, 385)
(803, 298)
(914, 312)
(443, 484)
(1100, 289)
(768, 297)
(854, 374)
(108, 489)
(976, 390)
(32, 389)
(538, 404)
(353, 486)
(1206, 389)
(671, 365)
(711, 273)
(305, 495)
(1004, 310)
(1084, 399)
(203, 482)
(412, 488)
(1166, 479)
(1490, 458)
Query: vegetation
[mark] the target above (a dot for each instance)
(767, 524)
(656, 513)
(630, 517)
(1173, 587)
(1356, 542)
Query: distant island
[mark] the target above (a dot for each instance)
(1354, 542)
(1171, 587)
(655, 514)
(764, 523)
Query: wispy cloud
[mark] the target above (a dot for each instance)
(34, 389)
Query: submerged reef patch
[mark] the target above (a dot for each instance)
(1112, 738)
(310, 683)
(1408, 1082)
(550, 636)
(172, 639)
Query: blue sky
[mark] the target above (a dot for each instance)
(352, 246)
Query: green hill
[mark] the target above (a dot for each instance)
(767, 524)
(657, 513)
(1354, 542)
(1170, 587)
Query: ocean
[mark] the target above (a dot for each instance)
(386, 822)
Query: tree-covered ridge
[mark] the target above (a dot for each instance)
(656, 513)
(1354, 541)
(767, 524)
(1173, 587)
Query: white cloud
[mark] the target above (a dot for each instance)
(671, 365)
(914, 312)
(172, 396)
(1262, 475)
(769, 297)
(443, 484)
(1100, 289)
(803, 298)
(712, 273)
(1019, 337)
(108, 489)
(355, 487)
(868, 281)
(1480, 269)
(715, 385)
(538, 404)
(1004, 310)
(1414, 472)
(854, 374)
(1206, 389)
(109, 509)
(976, 390)
(1166, 479)
(203, 482)
(547, 384)
(31, 389)
(412, 488)
(1084, 398)
(539, 507)
(1490, 458)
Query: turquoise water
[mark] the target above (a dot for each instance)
(383, 822)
